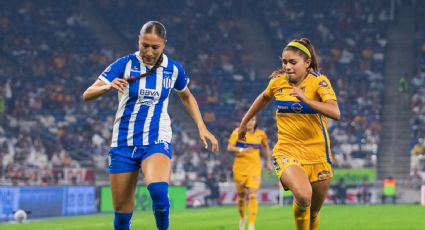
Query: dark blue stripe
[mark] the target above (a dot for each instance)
(129, 107)
(328, 157)
(294, 107)
(240, 144)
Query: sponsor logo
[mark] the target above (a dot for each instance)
(148, 92)
(297, 107)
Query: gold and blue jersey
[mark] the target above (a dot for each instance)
(302, 132)
(248, 162)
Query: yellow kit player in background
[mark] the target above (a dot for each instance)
(302, 156)
(247, 169)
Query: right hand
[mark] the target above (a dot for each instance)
(119, 84)
(242, 132)
(247, 149)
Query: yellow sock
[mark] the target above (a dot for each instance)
(301, 216)
(252, 208)
(241, 205)
(314, 223)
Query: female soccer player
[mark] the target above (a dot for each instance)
(302, 156)
(247, 169)
(142, 128)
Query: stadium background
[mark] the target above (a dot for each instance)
(53, 147)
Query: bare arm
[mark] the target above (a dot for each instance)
(100, 87)
(267, 154)
(192, 107)
(260, 102)
(328, 108)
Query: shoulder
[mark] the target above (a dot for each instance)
(261, 132)
(278, 80)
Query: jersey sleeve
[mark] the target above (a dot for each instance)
(182, 79)
(114, 70)
(265, 139)
(324, 89)
(270, 88)
(233, 137)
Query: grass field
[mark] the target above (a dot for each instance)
(270, 217)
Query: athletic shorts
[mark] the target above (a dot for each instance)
(248, 181)
(129, 159)
(315, 172)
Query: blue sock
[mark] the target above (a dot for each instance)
(122, 221)
(160, 204)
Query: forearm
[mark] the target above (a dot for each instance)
(94, 92)
(234, 149)
(260, 102)
(329, 109)
(192, 107)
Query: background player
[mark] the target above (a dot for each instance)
(247, 168)
(302, 157)
(142, 128)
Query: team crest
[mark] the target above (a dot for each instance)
(323, 84)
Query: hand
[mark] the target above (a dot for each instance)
(269, 166)
(119, 84)
(242, 132)
(248, 149)
(205, 135)
(299, 94)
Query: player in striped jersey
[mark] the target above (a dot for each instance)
(301, 157)
(142, 129)
(247, 169)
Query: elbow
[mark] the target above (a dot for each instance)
(337, 116)
(86, 97)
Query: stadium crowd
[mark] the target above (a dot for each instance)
(417, 105)
(50, 55)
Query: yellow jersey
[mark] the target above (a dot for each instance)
(302, 132)
(248, 163)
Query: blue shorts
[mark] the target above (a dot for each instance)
(129, 159)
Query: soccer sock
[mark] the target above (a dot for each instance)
(301, 216)
(314, 222)
(160, 204)
(252, 208)
(241, 204)
(122, 221)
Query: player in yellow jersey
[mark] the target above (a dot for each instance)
(247, 169)
(302, 156)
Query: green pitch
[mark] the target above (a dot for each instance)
(269, 218)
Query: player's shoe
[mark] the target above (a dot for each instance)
(242, 223)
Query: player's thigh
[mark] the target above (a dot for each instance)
(123, 186)
(156, 168)
(240, 184)
(295, 178)
(320, 190)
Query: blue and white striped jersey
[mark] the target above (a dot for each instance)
(142, 117)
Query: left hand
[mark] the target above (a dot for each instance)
(205, 135)
(299, 94)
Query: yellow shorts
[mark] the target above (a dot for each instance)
(315, 172)
(248, 181)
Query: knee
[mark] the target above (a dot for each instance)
(159, 195)
(241, 195)
(252, 196)
(304, 199)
